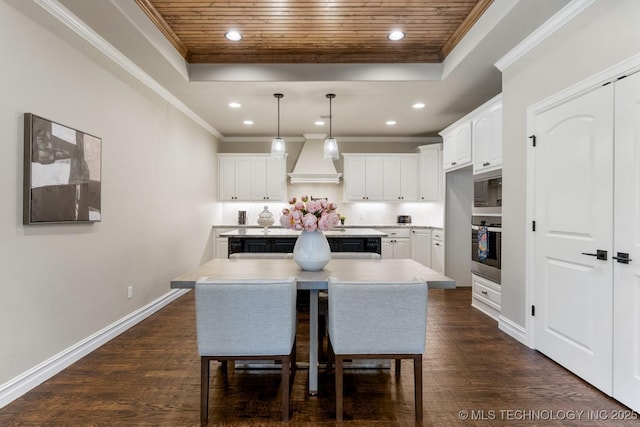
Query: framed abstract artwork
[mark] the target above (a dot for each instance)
(62, 173)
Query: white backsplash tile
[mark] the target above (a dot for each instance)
(357, 213)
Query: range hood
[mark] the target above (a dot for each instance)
(312, 167)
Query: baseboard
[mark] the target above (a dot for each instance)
(512, 329)
(35, 376)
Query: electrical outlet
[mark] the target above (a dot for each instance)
(129, 292)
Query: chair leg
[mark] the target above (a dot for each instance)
(285, 388)
(398, 363)
(204, 390)
(339, 388)
(417, 384)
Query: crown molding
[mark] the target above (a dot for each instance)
(62, 14)
(553, 24)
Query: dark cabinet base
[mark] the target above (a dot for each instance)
(286, 244)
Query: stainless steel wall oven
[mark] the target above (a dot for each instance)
(486, 247)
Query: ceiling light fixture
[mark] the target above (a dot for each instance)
(277, 145)
(390, 122)
(233, 36)
(418, 105)
(235, 105)
(330, 144)
(248, 122)
(396, 35)
(319, 123)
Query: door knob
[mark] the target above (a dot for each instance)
(600, 254)
(622, 258)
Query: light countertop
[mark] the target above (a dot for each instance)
(285, 232)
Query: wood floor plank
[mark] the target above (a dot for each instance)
(474, 375)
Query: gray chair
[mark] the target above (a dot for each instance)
(261, 255)
(245, 320)
(322, 295)
(378, 320)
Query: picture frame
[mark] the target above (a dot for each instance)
(62, 173)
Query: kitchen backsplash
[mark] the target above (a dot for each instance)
(356, 213)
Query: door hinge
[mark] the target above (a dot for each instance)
(533, 310)
(533, 226)
(533, 140)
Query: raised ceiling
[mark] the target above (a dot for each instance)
(330, 31)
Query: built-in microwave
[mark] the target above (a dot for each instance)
(487, 193)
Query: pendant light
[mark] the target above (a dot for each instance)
(277, 145)
(330, 144)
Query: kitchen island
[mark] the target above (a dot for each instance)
(283, 240)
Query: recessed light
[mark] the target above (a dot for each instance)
(248, 122)
(395, 35)
(418, 105)
(390, 122)
(235, 105)
(319, 123)
(234, 36)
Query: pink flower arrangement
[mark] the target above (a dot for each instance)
(310, 215)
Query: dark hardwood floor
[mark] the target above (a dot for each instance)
(474, 375)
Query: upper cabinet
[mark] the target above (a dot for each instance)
(251, 177)
(457, 145)
(363, 178)
(430, 173)
(487, 136)
(476, 138)
(400, 178)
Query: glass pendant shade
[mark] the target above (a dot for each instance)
(331, 149)
(277, 144)
(277, 147)
(330, 144)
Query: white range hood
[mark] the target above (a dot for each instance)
(312, 167)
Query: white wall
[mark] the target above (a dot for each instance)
(601, 36)
(62, 283)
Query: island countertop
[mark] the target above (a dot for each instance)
(285, 232)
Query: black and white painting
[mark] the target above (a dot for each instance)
(62, 173)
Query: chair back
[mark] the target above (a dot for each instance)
(245, 318)
(261, 255)
(377, 317)
(355, 255)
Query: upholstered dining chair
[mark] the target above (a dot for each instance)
(245, 320)
(378, 320)
(323, 296)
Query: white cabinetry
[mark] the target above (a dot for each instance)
(251, 177)
(430, 173)
(363, 179)
(421, 246)
(234, 177)
(400, 178)
(457, 145)
(487, 136)
(486, 296)
(437, 251)
(397, 244)
(221, 244)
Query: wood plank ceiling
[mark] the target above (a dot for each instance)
(305, 31)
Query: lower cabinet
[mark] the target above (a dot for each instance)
(486, 296)
(437, 251)
(397, 244)
(421, 246)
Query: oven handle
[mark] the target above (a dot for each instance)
(492, 229)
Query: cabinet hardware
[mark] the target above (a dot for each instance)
(484, 292)
(622, 258)
(600, 254)
(454, 163)
(486, 164)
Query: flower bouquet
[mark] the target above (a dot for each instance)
(310, 215)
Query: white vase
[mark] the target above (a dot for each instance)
(311, 251)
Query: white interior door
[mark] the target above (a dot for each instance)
(574, 216)
(626, 307)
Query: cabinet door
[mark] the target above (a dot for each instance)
(355, 178)
(374, 178)
(487, 139)
(226, 178)
(243, 177)
(268, 178)
(437, 256)
(409, 178)
(392, 187)
(463, 145)
(430, 173)
(387, 249)
(421, 246)
(222, 247)
(450, 150)
(402, 249)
